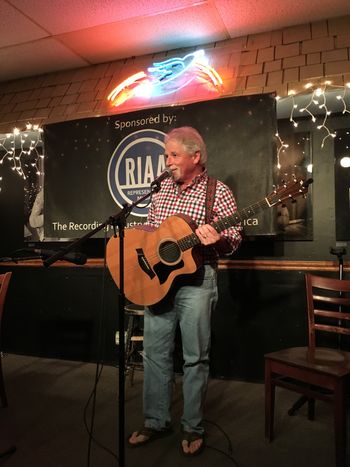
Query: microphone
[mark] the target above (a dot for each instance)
(71, 257)
(158, 180)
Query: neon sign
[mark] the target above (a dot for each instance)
(167, 77)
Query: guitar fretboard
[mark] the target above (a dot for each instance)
(192, 240)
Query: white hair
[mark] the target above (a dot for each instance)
(190, 139)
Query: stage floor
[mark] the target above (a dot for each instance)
(45, 422)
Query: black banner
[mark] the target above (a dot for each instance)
(93, 166)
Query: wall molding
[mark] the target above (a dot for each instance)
(259, 265)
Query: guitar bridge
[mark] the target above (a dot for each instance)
(144, 264)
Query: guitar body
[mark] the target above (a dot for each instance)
(153, 259)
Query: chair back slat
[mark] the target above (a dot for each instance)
(336, 329)
(333, 314)
(328, 283)
(338, 300)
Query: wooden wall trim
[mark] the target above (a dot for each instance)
(261, 265)
(282, 265)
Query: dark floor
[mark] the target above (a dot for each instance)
(45, 422)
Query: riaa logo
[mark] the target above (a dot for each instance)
(135, 163)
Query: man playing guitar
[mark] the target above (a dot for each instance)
(191, 298)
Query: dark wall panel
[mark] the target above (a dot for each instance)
(11, 211)
(57, 313)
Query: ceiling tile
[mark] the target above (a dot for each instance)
(147, 35)
(60, 16)
(252, 16)
(95, 31)
(43, 56)
(15, 28)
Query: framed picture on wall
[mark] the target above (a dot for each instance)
(342, 184)
(22, 153)
(294, 160)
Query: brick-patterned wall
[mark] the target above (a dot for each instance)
(277, 61)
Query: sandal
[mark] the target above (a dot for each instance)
(190, 437)
(150, 434)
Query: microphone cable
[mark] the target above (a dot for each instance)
(98, 371)
(89, 429)
(228, 454)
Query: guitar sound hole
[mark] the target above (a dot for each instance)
(169, 252)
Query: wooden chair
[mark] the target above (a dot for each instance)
(316, 372)
(4, 283)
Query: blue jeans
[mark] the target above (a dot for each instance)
(190, 303)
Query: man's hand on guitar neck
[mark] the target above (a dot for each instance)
(207, 234)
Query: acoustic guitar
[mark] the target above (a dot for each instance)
(154, 259)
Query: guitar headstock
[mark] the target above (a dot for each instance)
(288, 191)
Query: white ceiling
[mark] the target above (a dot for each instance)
(43, 36)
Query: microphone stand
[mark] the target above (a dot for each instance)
(117, 220)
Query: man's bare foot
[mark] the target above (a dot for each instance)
(192, 444)
(137, 438)
(145, 435)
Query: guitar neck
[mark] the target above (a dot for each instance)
(234, 219)
(240, 216)
(287, 191)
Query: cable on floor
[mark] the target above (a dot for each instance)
(99, 368)
(228, 454)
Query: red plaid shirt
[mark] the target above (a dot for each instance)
(191, 201)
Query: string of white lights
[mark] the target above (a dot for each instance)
(23, 150)
(311, 102)
(342, 98)
(327, 112)
(293, 108)
(281, 147)
(318, 107)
